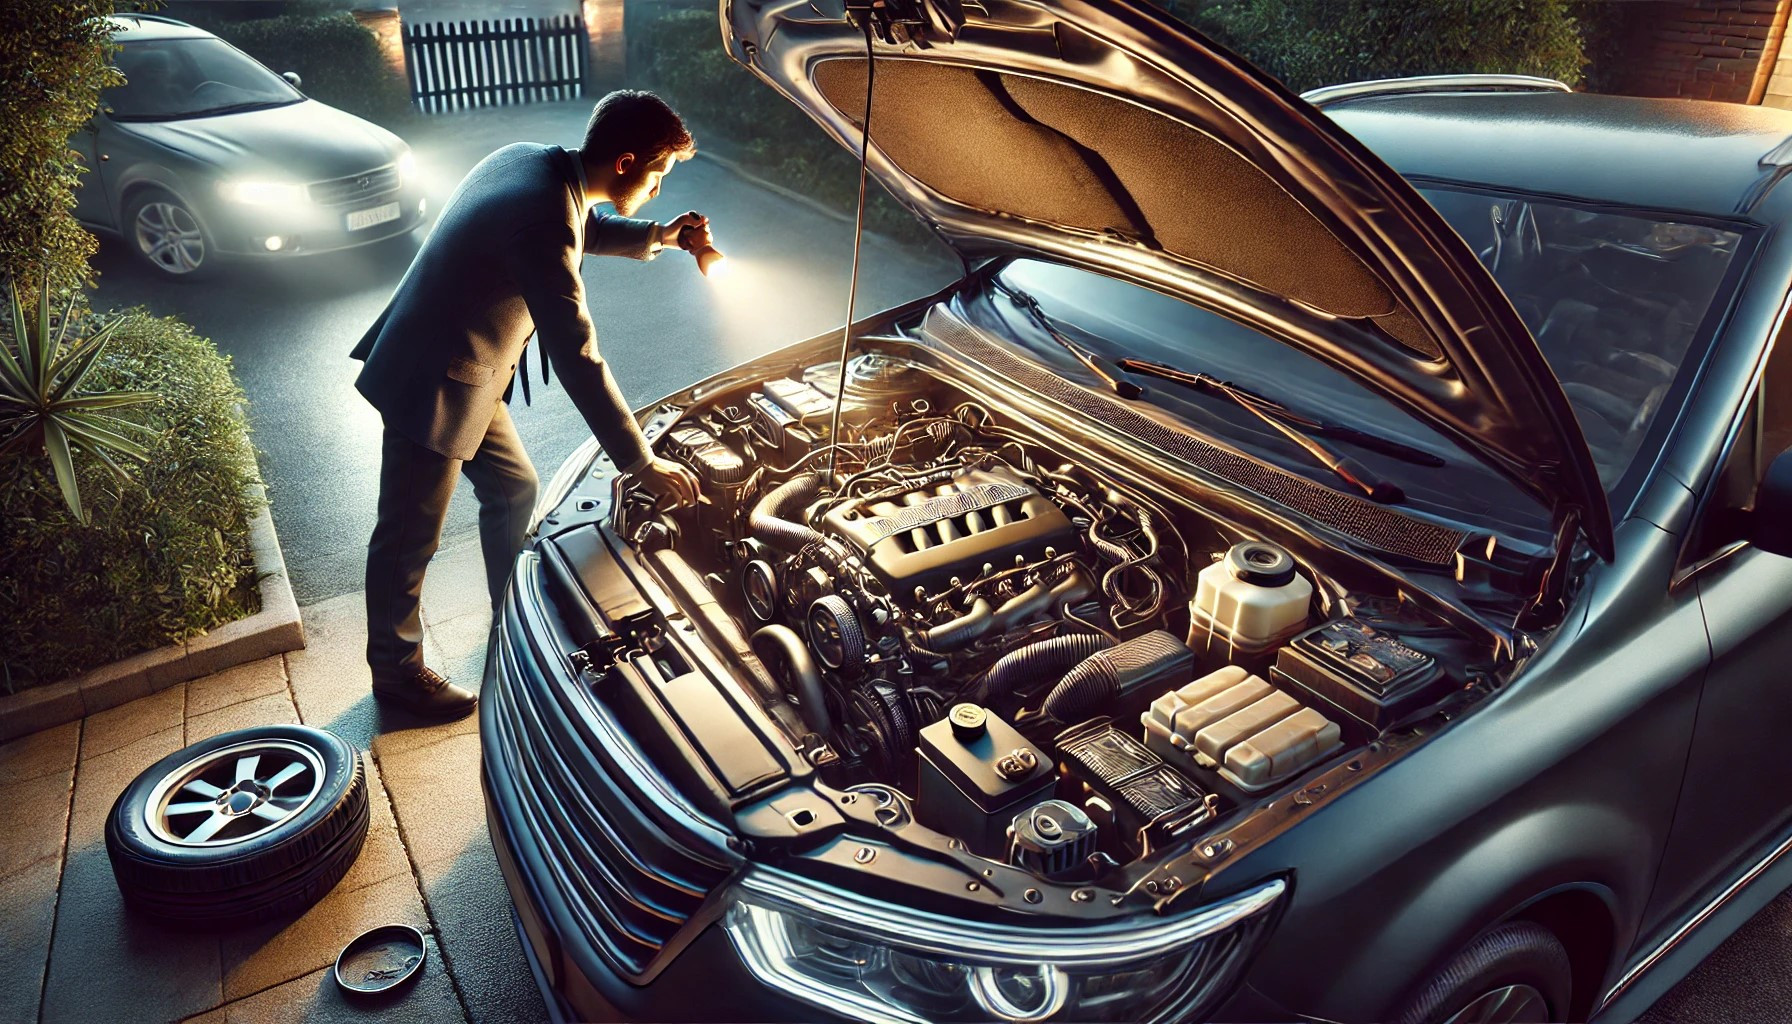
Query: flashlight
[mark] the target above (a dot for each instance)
(707, 255)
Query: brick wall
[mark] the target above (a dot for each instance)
(1695, 49)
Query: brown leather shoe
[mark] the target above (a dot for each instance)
(427, 693)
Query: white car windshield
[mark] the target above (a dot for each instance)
(166, 79)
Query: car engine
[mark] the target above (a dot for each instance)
(1001, 643)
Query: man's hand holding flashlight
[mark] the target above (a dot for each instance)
(672, 483)
(669, 232)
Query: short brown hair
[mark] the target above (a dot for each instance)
(632, 121)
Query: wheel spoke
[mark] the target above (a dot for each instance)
(209, 827)
(192, 807)
(245, 767)
(270, 812)
(285, 774)
(203, 788)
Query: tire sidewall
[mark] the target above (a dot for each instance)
(130, 823)
(1529, 954)
(208, 265)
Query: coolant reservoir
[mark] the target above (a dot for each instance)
(1248, 601)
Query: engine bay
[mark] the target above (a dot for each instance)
(1039, 662)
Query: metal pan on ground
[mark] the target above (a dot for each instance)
(380, 960)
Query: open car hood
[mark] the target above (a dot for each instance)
(1111, 136)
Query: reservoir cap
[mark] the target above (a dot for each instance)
(969, 722)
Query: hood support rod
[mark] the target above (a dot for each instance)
(858, 236)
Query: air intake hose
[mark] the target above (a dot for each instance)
(1043, 659)
(1156, 657)
(783, 648)
(770, 520)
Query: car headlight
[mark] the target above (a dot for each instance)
(407, 168)
(873, 962)
(263, 193)
(564, 480)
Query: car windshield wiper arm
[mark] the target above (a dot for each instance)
(1284, 420)
(1100, 366)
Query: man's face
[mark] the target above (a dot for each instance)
(639, 183)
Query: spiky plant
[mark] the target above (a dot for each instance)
(42, 407)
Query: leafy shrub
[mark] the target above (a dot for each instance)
(1309, 43)
(339, 61)
(777, 140)
(53, 61)
(165, 556)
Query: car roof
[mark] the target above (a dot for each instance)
(1695, 156)
(137, 28)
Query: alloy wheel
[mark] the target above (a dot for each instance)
(234, 794)
(1511, 1004)
(170, 237)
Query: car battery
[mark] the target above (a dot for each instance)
(976, 774)
(780, 428)
(1362, 671)
(1129, 777)
(1237, 725)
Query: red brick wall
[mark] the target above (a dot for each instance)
(1697, 49)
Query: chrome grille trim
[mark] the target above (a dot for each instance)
(354, 188)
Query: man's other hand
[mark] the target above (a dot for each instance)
(672, 483)
(669, 232)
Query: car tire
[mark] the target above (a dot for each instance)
(246, 825)
(165, 234)
(1516, 973)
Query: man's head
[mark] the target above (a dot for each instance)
(631, 141)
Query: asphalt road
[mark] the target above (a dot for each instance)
(662, 326)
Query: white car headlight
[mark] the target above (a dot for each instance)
(407, 168)
(263, 193)
(865, 962)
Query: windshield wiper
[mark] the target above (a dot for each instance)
(1100, 366)
(1284, 421)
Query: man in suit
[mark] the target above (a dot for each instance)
(501, 264)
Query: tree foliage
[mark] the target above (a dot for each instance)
(54, 60)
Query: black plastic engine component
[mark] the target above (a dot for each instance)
(1129, 777)
(759, 586)
(789, 660)
(878, 724)
(925, 538)
(835, 633)
(976, 774)
(716, 463)
(1052, 839)
(1157, 658)
(1369, 675)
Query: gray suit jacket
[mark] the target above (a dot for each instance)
(501, 264)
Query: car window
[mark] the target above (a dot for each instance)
(167, 79)
(1616, 301)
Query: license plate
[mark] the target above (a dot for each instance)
(359, 219)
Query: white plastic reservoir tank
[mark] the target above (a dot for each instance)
(1248, 600)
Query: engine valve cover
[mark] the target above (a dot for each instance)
(925, 537)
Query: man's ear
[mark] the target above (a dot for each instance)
(624, 162)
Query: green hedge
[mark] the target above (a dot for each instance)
(1309, 43)
(166, 556)
(54, 58)
(679, 54)
(339, 61)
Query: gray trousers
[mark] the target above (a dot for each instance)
(415, 485)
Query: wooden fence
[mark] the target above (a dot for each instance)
(460, 65)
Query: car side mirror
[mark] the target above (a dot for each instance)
(293, 79)
(1770, 523)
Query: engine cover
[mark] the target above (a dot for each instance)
(926, 537)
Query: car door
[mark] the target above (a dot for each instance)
(93, 202)
(1737, 795)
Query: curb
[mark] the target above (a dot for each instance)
(275, 629)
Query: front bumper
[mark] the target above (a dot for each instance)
(616, 892)
(239, 230)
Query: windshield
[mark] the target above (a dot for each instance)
(175, 78)
(1615, 301)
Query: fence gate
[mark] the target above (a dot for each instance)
(460, 65)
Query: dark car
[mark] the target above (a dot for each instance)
(204, 155)
(1324, 559)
